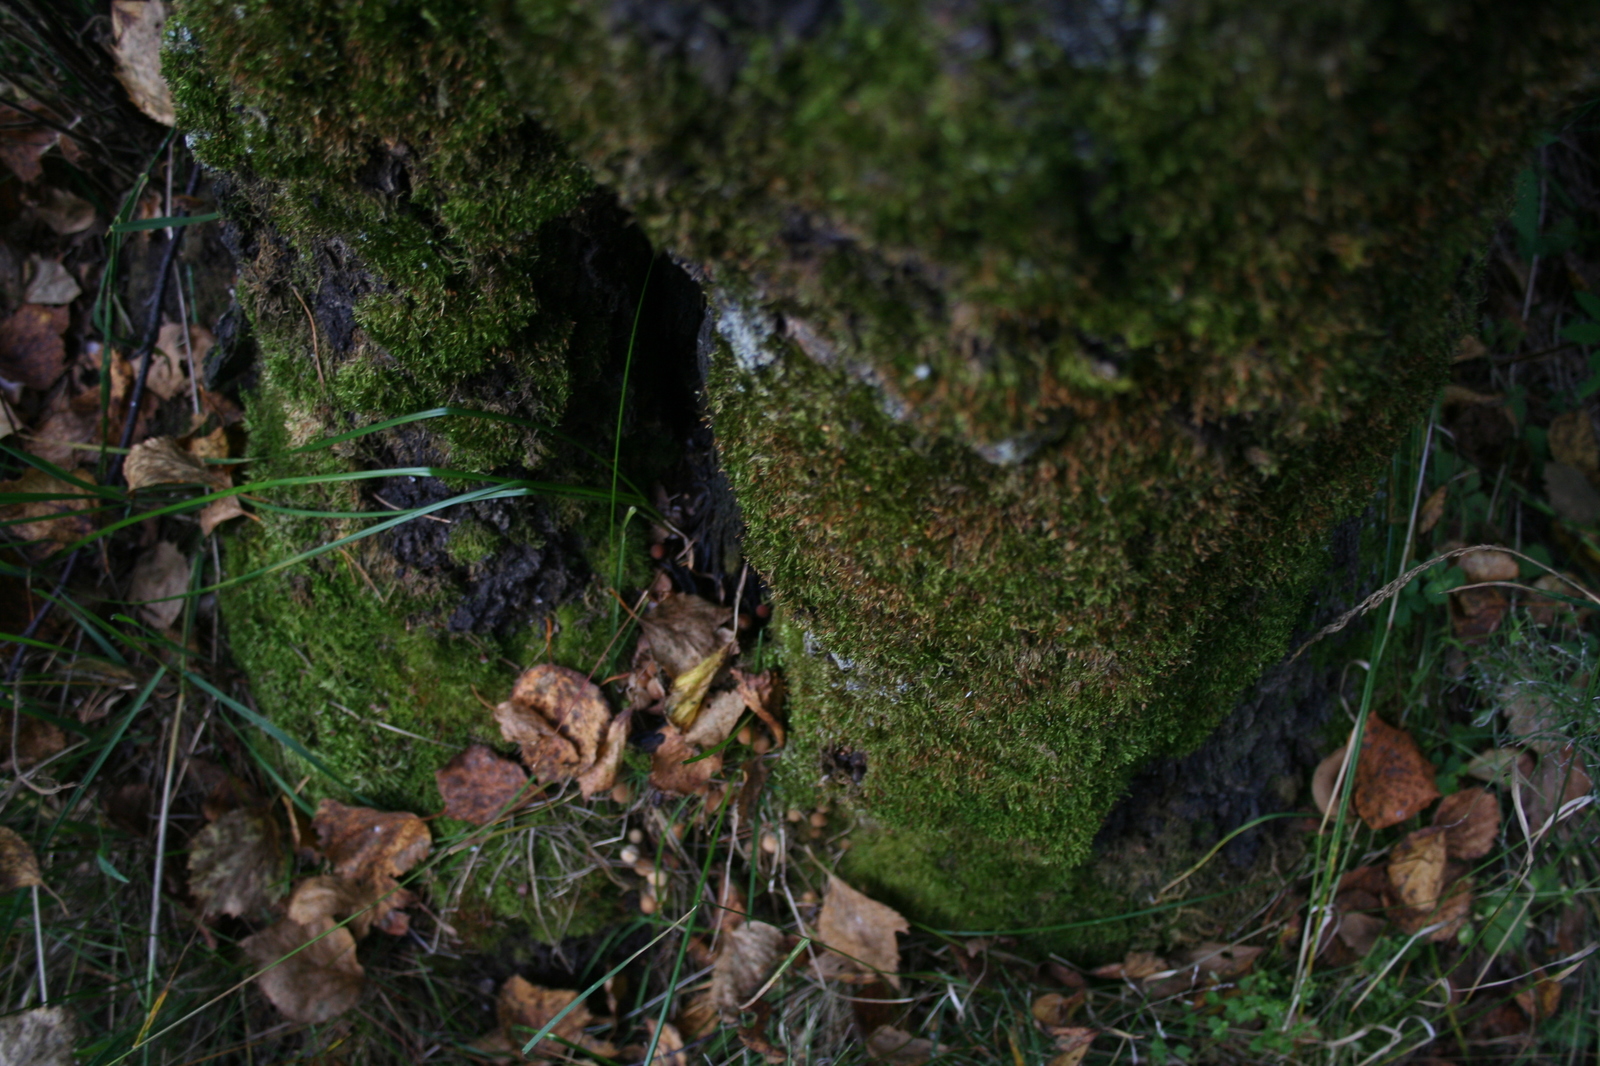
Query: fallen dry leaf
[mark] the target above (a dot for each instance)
(163, 461)
(1393, 780)
(669, 1048)
(699, 1016)
(683, 631)
(1498, 765)
(670, 768)
(1432, 509)
(1471, 821)
(217, 512)
(745, 962)
(319, 981)
(1135, 966)
(1533, 716)
(1540, 1000)
(602, 775)
(24, 139)
(31, 349)
(1360, 931)
(1569, 492)
(66, 213)
(50, 524)
(18, 866)
(716, 720)
(1477, 612)
(1053, 1010)
(28, 741)
(1416, 876)
(477, 785)
(1326, 778)
(372, 903)
(690, 687)
(1572, 440)
(860, 933)
(1221, 961)
(51, 283)
(1559, 778)
(43, 1036)
(234, 863)
(558, 718)
(763, 695)
(1488, 565)
(363, 843)
(1549, 611)
(524, 1008)
(888, 1044)
(161, 572)
(136, 28)
(1073, 1044)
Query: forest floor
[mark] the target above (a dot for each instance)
(166, 894)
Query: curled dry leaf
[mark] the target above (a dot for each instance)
(1326, 779)
(314, 976)
(1416, 877)
(716, 720)
(1073, 1044)
(763, 695)
(602, 775)
(136, 28)
(1471, 821)
(683, 632)
(1432, 509)
(376, 903)
(1053, 1010)
(671, 770)
(690, 687)
(888, 1044)
(558, 718)
(43, 1036)
(31, 349)
(163, 461)
(477, 785)
(217, 512)
(363, 843)
(19, 868)
(234, 862)
(161, 573)
(524, 1008)
(1135, 966)
(51, 524)
(1489, 565)
(748, 955)
(1393, 779)
(860, 935)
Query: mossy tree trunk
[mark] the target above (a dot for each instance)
(1045, 342)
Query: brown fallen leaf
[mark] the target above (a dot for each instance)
(1326, 778)
(1393, 779)
(859, 933)
(669, 1048)
(683, 631)
(524, 1008)
(1549, 611)
(1569, 492)
(558, 718)
(51, 284)
(43, 1036)
(24, 139)
(888, 1044)
(1477, 612)
(217, 512)
(1135, 966)
(314, 976)
(763, 694)
(31, 349)
(1432, 509)
(50, 524)
(27, 741)
(745, 962)
(1572, 440)
(1073, 1044)
(1534, 717)
(1559, 778)
(161, 572)
(1498, 766)
(698, 1017)
(1360, 932)
(601, 776)
(66, 213)
(716, 720)
(375, 903)
(1541, 999)
(163, 461)
(477, 785)
(1471, 821)
(671, 769)
(19, 868)
(363, 843)
(1416, 876)
(1053, 1010)
(234, 863)
(136, 28)
(1487, 564)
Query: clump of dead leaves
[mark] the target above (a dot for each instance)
(1424, 889)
